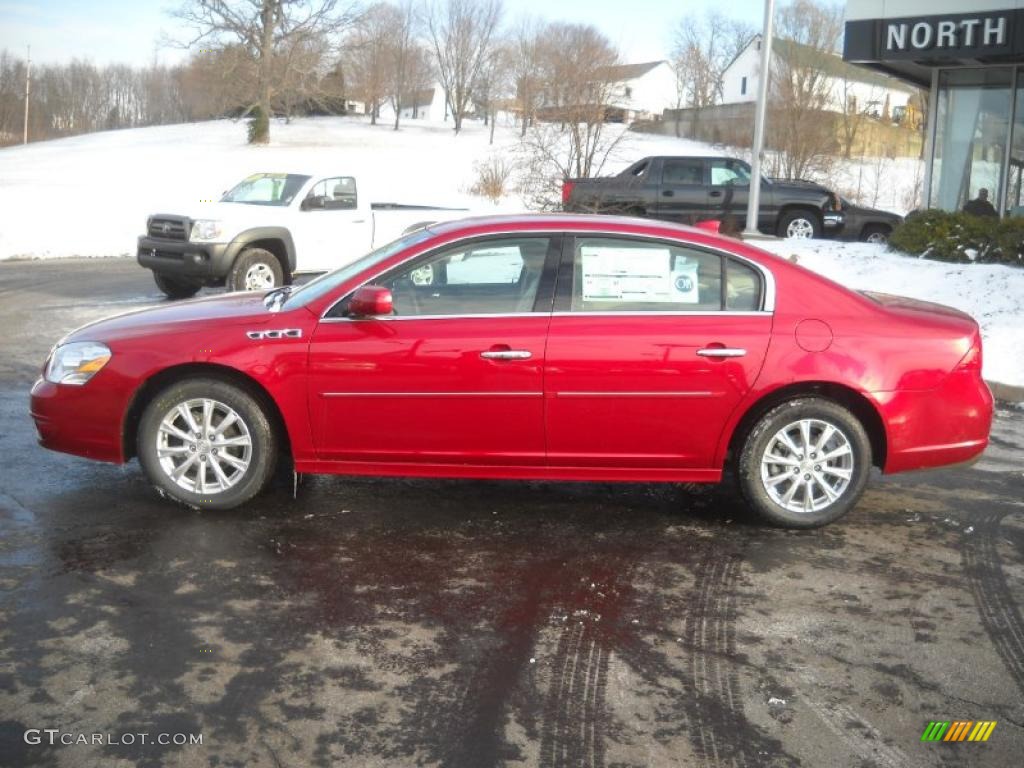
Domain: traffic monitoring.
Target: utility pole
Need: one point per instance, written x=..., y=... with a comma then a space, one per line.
x=28, y=90
x=754, y=196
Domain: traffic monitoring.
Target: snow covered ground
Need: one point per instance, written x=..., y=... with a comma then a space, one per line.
x=90, y=195
x=991, y=293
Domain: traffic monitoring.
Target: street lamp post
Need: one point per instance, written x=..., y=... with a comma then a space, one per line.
x=754, y=197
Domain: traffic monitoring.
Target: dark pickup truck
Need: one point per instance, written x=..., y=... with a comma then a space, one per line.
x=692, y=189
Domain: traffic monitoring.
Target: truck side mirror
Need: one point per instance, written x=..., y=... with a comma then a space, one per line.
x=371, y=301
x=312, y=202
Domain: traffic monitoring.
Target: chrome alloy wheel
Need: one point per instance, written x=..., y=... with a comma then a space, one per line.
x=807, y=466
x=879, y=238
x=800, y=229
x=259, y=277
x=204, y=446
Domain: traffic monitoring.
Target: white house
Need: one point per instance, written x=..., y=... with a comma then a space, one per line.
x=641, y=91
x=851, y=89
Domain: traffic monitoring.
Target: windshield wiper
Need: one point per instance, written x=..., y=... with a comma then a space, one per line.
x=276, y=297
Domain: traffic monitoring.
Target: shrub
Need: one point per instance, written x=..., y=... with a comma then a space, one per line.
x=961, y=237
x=492, y=177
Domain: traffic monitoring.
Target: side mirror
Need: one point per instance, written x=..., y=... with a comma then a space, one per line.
x=312, y=202
x=371, y=301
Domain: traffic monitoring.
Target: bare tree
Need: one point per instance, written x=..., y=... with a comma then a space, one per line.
x=403, y=50
x=571, y=136
x=702, y=49
x=265, y=30
x=462, y=32
x=802, y=87
x=526, y=44
x=369, y=53
x=494, y=83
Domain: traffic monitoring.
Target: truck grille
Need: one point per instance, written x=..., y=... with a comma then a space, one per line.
x=168, y=228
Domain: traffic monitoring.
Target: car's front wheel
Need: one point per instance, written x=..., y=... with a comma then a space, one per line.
x=207, y=443
x=805, y=463
x=799, y=225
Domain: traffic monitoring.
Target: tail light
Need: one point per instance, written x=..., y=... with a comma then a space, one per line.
x=972, y=360
x=567, y=190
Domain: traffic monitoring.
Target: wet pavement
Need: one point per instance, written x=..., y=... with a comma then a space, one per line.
x=400, y=623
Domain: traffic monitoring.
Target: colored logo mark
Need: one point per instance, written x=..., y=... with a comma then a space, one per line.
x=958, y=730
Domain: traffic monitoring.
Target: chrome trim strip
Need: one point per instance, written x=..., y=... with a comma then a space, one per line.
x=637, y=394
x=768, y=305
x=610, y=313
x=431, y=394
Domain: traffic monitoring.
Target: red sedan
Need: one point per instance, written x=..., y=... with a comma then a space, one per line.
x=553, y=347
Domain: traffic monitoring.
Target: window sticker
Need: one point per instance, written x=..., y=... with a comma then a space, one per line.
x=638, y=275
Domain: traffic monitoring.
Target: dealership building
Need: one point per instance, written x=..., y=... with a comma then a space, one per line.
x=969, y=56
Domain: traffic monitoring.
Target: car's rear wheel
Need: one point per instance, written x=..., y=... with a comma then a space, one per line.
x=175, y=288
x=875, y=233
x=207, y=443
x=255, y=269
x=805, y=463
x=799, y=225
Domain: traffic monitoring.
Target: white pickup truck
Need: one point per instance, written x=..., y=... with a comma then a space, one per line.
x=270, y=227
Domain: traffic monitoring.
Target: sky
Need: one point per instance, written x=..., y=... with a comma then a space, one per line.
x=129, y=31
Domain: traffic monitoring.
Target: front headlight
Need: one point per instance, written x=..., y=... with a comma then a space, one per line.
x=77, y=362
x=205, y=229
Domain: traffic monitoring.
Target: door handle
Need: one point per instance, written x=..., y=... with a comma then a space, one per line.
x=721, y=352
x=506, y=354
x=667, y=193
x=716, y=193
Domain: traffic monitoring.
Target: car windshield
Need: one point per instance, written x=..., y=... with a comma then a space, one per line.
x=326, y=283
x=266, y=189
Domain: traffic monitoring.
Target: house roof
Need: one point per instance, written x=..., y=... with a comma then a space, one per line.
x=621, y=72
x=798, y=54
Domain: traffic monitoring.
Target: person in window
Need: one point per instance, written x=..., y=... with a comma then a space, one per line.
x=980, y=206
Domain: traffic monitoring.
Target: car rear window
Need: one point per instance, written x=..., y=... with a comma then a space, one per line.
x=627, y=275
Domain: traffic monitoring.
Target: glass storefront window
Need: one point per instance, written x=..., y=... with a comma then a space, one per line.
x=1015, y=181
x=971, y=132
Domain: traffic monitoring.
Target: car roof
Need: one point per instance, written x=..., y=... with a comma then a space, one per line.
x=575, y=221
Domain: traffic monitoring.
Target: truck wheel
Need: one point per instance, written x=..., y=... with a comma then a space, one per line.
x=207, y=443
x=255, y=269
x=875, y=233
x=175, y=288
x=805, y=463
x=799, y=225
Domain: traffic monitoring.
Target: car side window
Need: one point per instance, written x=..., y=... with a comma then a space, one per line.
x=683, y=171
x=488, y=277
x=742, y=287
x=336, y=194
x=727, y=171
x=625, y=275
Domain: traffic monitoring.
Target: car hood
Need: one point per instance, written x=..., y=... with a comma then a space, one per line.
x=240, y=212
x=861, y=210
x=242, y=306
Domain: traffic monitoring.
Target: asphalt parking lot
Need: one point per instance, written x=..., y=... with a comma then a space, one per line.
x=399, y=623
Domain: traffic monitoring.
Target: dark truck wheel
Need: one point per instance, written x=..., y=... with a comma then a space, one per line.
x=175, y=288
x=255, y=269
x=875, y=233
x=805, y=463
x=799, y=225
x=207, y=443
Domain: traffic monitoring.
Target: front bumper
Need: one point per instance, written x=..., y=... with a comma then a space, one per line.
x=81, y=420
x=182, y=258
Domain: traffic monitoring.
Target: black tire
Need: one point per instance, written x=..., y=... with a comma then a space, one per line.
x=875, y=233
x=262, y=456
x=807, y=469
x=790, y=218
x=255, y=269
x=176, y=288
